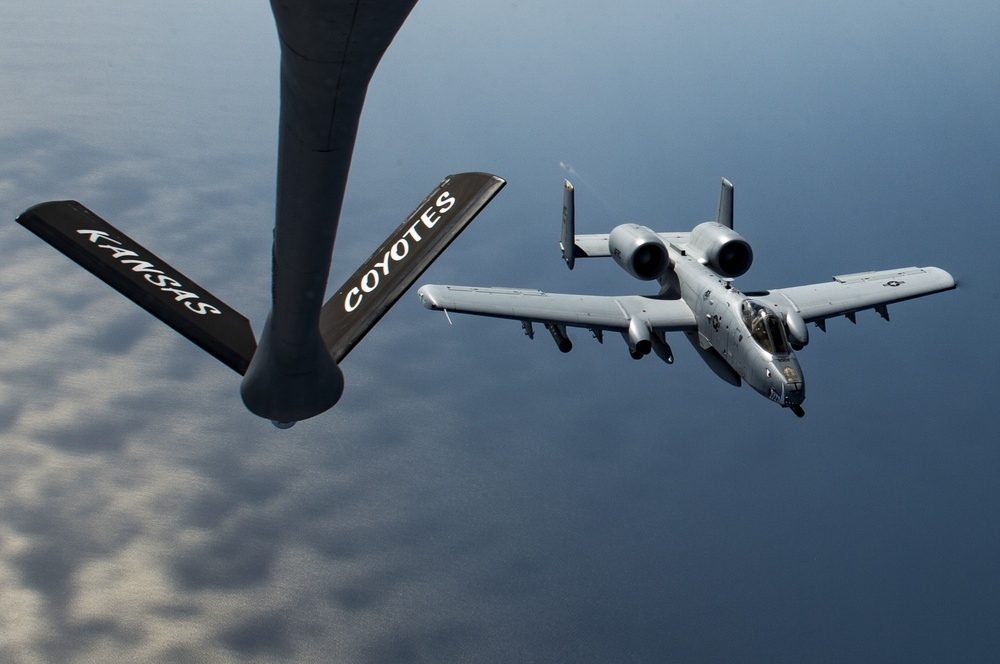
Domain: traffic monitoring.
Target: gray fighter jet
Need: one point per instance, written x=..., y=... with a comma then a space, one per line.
x=747, y=337
x=329, y=52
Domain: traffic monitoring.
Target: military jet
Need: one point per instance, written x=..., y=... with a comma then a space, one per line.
x=329, y=52
x=743, y=337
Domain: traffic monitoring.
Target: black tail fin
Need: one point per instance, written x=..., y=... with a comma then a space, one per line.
x=371, y=291
x=144, y=278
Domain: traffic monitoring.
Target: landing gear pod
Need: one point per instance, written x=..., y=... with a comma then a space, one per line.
x=798, y=333
x=639, y=339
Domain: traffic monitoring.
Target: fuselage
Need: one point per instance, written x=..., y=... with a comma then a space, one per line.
x=746, y=335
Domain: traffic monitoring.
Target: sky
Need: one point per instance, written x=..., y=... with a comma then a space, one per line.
x=477, y=496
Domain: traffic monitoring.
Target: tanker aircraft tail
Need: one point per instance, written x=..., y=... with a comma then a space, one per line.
x=223, y=332
x=329, y=53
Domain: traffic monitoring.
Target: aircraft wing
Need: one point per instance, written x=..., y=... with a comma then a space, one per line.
x=849, y=293
x=594, y=312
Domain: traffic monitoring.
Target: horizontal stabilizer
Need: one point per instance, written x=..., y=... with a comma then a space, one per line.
x=144, y=278
x=372, y=290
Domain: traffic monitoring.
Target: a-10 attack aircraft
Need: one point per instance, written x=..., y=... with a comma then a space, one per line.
x=329, y=52
x=747, y=337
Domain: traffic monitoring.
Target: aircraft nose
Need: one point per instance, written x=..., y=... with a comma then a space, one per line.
x=795, y=393
x=788, y=384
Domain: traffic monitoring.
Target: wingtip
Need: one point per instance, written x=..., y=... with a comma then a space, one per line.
x=948, y=281
x=427, y=297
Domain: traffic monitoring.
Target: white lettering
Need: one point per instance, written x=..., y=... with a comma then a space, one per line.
x=428, y=218
x=117, y=252
x=162, y=281
x=348, y=306
x=143, y=266
x=201, y=308
x=180, y=294
x=400, y=255
x=384, y=265
x=155, y=276
x=398, y=251
x=445, y=202
x=98, y=235
x=413, y=232
x=370, y=281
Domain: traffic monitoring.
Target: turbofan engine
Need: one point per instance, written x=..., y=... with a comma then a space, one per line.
x=639, y=251
x=722, y=248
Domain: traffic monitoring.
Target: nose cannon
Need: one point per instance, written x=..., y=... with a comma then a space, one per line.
x=794, y=389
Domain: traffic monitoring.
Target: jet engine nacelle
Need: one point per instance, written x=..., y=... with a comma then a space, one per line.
x=639, y=251
x=798, y=333
x=725, y=250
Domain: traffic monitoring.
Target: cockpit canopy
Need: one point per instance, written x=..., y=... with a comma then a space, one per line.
x=766, y=328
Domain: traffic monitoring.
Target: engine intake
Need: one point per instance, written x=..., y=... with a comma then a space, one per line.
x=639, y=251
x=725, y=250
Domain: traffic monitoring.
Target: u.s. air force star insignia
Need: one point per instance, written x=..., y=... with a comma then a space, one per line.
x=893, y=283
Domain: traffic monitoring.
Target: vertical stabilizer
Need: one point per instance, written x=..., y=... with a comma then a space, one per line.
x=567, y=240
x=725, y=214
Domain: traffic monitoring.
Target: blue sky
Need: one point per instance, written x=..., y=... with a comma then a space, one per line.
x=476, y=496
